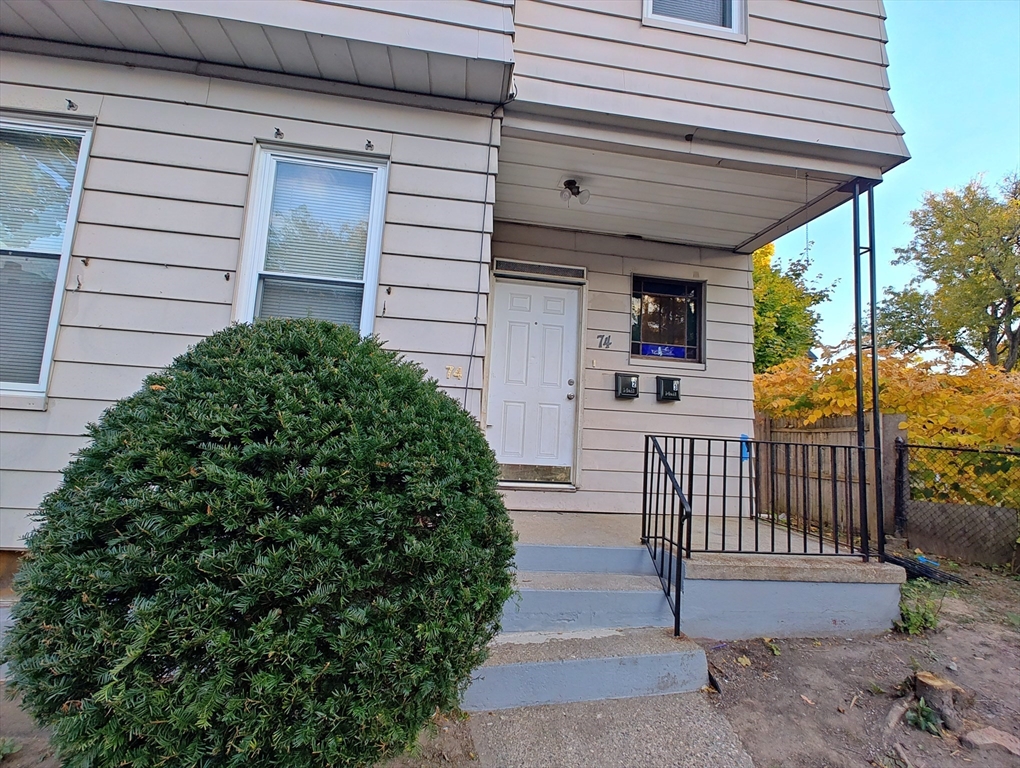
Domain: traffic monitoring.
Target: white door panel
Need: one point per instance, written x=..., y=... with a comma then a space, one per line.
x=533, y=378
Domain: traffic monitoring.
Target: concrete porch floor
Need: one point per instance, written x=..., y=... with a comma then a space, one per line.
x=607, y=530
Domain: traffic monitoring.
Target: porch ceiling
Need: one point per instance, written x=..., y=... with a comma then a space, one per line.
x=732, y=200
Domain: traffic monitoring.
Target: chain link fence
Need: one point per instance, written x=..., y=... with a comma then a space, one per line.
x=959, y=503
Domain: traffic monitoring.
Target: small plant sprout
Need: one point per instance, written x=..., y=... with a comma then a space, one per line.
x=924, y=718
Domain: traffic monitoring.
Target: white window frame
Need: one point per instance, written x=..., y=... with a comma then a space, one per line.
x=53, y=128
x=737, y=32
x=256, y=233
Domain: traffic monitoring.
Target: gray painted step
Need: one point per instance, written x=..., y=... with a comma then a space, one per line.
x=568, y=601
x=529, y=669
x=549, y=557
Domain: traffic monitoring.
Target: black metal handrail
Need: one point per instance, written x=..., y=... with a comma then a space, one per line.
x=665, y=519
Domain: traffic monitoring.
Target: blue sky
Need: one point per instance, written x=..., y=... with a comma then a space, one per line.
x=954, y=71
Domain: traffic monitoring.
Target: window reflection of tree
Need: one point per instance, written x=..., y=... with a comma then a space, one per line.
x=292, y=234
x=664, y=319
x=36, y=173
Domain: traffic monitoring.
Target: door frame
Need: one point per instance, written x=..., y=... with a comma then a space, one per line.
x=580, y=281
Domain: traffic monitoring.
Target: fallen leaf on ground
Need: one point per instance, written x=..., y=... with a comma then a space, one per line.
x=743, y=661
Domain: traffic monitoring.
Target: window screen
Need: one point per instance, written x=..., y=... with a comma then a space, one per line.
x=316, y=244
x=717, y=13
x=37, y=173
x=666, y=319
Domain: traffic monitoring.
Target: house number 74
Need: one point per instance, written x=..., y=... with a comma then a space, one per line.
x=605, y=341
x=454, y=372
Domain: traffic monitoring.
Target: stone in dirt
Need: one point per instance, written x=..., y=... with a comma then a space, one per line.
x=992, y=738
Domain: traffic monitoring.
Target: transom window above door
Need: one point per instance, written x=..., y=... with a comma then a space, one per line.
x=313, y=239
x=667, y=319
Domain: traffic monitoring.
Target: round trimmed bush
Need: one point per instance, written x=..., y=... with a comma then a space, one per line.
x=286, y=549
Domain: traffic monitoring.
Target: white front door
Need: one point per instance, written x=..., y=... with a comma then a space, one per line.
x=532, y=409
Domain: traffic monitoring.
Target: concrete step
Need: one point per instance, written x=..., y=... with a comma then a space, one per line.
x=533, y=668
x=551, y=601
x=574, y=559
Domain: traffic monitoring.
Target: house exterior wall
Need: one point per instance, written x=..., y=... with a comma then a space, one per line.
x=778, y=122
x=157, y=244
x=812, y=73
x=717, y=398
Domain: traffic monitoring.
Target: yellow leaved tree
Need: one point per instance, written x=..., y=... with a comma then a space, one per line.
x=978, y=406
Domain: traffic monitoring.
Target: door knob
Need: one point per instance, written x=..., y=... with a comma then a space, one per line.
x=570, y=396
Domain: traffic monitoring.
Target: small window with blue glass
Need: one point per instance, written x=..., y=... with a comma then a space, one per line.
x=666, y=319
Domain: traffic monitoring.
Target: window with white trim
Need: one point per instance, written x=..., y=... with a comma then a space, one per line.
x=313, y=239
x=41, y=173
x=723, y=16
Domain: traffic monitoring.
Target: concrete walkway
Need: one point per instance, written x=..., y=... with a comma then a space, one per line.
x=672, y=731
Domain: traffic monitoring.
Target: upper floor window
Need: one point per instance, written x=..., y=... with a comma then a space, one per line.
x=41, y=172
x=313, y=242
x=719, y=17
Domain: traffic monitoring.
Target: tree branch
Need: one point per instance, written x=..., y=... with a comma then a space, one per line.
x=963, y=351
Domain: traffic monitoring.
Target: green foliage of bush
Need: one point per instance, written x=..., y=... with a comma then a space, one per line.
x=919, y=612
x=287, y=549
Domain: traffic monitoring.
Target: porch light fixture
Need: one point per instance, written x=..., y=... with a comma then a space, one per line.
x=571, y=189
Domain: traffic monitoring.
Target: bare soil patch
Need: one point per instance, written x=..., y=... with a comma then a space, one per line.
x=824, y=703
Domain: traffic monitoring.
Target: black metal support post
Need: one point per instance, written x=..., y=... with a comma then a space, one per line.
x=876, y=414
x=862, y=461
x=902, y=486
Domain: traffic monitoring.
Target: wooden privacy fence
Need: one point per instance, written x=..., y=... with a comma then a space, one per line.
x=820, y=486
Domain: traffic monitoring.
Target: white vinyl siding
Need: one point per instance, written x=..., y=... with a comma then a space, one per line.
x=809, y=72
x=41, y=172
x=313, y=239
x=155, y=261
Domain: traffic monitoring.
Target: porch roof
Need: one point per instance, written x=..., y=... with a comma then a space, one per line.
x=664, y=187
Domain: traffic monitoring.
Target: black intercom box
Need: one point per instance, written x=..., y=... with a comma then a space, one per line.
x=667, y=388
x=626, y=385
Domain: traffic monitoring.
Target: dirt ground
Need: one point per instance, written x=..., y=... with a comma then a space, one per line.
x=819, y=703
x=824, y=703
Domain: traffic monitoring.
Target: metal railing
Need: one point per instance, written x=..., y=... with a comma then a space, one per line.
x=665, y=521
x=749, y=496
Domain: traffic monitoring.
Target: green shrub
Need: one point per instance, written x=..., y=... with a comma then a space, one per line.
x=919, y=612
x=287, y=549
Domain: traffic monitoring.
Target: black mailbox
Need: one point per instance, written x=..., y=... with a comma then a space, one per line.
x=667, y=388
x=626, y=385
